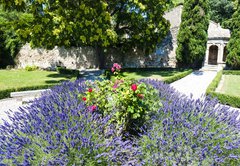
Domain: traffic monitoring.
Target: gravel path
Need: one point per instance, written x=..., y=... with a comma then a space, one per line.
x=194, y=84
x=8, y=104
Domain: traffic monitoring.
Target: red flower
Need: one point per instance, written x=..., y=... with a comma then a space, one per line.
x=90, y=90
x=84, y=98
x=93, y=108
x=134, y=87
x=141, y=96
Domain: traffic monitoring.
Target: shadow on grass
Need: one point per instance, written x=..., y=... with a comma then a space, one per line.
x=54, y=81
x=56, y=75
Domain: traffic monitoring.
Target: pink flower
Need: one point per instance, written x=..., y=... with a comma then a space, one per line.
x=115, y=85
x=112, y=69
x=134, y=87
x=90, y=90
x=84, y=98
x=93, y=108
x=116, y=66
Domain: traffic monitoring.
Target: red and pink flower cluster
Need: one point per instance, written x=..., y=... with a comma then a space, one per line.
x=116, y=67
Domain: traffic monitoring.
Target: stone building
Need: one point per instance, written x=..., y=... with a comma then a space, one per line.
x=216, y=51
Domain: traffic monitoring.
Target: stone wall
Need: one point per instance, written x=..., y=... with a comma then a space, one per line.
x=85, y=57
x=72, y=58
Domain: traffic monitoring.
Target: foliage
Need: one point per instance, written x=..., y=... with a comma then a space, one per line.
x=231, y=72
x=192, y=35
x=214, y=84
x=125, y=24
x=57, y=129
x=10, y=41
x=221, y=11
x=177, y=76
x=226, y=99
x=31, y=68
x=132, y=103
x=5, y=93
x=233, y=57
x=167, y=75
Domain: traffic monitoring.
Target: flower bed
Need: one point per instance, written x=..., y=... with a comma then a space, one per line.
x=62, y=128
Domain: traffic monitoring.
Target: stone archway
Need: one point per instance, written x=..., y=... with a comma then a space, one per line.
x=213, y=55
x=224, y=54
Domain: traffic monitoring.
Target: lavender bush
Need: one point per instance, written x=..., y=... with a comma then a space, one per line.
x=189, y=132
x=58, y=129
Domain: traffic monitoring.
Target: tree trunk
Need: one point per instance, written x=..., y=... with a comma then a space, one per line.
x=101, y=57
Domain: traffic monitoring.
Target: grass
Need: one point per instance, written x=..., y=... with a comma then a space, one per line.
x=20, y=78
x=153, y=74
x=231, y=85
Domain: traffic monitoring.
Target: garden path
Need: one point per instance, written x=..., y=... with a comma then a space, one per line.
x=194, y=84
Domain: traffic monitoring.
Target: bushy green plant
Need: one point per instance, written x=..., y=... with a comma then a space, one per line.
x=131, y=103
x=192, y=35
x=233, y=57
x=31, y=68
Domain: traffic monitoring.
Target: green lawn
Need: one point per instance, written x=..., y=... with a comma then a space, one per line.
x=231, y=85
x=14, y=79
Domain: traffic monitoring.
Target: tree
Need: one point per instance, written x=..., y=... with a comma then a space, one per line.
x=192, y=35
x=221, y=11
x=10, y=42
x=114, y=23
x=233, y=57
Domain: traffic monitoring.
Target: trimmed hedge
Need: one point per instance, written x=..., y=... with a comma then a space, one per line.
x=214, y=84
x=230, y=100
x=169, y=80
x=6, y=93
x=231, y=72
x=178, y=76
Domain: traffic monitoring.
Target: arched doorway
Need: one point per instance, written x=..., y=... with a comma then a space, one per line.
x=213, y=55
x=224, y=54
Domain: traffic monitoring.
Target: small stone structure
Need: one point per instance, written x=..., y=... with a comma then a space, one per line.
x=216, y=51
x=85, y=57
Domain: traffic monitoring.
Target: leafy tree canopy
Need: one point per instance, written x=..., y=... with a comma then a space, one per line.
x=122, y=23
x=221, y=11
x=233, y=57
x=9, y=40
x=192, y=35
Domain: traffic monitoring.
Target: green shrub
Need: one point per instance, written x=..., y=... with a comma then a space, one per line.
x=131, y=102
x=6, y=93
x=64, y=70
x=178, y=76
x=214, y=84
x=223, y=98
x=231, y=72
x=227, y=99
x=31, y=68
